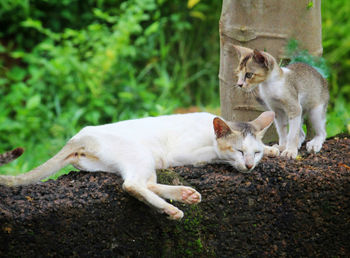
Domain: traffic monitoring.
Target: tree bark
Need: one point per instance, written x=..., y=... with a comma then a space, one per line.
x=283, y=208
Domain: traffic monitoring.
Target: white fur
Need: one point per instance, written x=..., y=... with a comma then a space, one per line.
x=136, y=148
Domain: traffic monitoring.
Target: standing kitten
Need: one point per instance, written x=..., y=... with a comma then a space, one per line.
x=136, y=148
x=10, y=155
x=291, y=92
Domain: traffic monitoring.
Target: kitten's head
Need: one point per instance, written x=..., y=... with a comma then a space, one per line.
x=240, y=144
x=254, y=67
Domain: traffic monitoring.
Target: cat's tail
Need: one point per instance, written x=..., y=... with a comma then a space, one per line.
x=60, y=160
x=10, y=155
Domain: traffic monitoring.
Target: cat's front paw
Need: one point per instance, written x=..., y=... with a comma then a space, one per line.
x=271, y=151
x=173, y=212
x=290, y=153
x=314, y=145
x=190, y=196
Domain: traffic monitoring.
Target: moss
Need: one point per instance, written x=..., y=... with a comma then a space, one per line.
x=190, y=240
x=185, y=239
x=170, y=177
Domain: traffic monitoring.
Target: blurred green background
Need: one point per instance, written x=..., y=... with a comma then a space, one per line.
x=65, y=64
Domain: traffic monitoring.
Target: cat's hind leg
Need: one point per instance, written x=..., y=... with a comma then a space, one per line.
x=136, y=177
x=142, y=193
x=179, y=193
x=317, y=117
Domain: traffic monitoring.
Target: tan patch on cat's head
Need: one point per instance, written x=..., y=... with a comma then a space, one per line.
x=225, y=144
x=233, y=139
x=254, y=68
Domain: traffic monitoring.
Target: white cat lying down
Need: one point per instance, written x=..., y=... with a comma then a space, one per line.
x=136, y=148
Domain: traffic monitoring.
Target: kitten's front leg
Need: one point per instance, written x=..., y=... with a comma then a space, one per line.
x=291, y=150
x=281, y=123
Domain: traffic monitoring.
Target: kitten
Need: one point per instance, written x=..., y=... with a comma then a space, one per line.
x=136, y=148
x=292, y=92
x=10, y=155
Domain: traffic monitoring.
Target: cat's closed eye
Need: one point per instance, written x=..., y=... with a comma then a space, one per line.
x=249, y=75
x=240, y=151
x=257, y=152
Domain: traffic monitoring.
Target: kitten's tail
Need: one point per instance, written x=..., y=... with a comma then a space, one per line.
x=60, y=160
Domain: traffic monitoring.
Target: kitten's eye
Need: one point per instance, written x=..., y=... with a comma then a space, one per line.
x=249, y=75
x=257, y=152
x=240, y=151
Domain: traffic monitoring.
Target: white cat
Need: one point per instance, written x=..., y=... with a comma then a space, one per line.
x=136, y=148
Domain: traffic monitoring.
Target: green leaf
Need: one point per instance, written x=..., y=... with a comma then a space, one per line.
x=310, y=5
x=33, y=102
x=16, y=73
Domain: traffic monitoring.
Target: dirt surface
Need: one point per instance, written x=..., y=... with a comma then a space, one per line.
x=285, y=208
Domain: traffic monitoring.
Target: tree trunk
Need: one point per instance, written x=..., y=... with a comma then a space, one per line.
x=283, y=208
x=265, y=25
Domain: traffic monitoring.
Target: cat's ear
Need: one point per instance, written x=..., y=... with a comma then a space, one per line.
x=260, y=58
x=221, y=128
x=263, y=122
x=242, y=51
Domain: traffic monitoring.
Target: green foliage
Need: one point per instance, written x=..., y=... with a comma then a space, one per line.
x=65, y=64
x=295, y=54
x=70, y=63
x=336, y=50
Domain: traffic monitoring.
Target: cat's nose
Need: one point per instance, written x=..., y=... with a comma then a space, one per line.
x=249, y=166
x=240, y=83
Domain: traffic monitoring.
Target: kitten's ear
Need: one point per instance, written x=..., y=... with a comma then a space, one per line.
x=221, y=128
x=242, y=51
x=263, y=122
x=260, y=58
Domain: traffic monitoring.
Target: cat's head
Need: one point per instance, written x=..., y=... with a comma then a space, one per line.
x=240, y=143
x=254, y=67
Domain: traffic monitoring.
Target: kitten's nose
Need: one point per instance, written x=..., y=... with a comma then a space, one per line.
x=240, y=83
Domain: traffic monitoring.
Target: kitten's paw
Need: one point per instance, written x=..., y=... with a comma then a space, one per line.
x=190, y=196
x=271, y=151
x=314, y=145
x=290, y=153
x=173, y=212
x=279, y=147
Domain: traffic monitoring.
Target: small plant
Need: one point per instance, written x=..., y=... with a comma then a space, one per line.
x=296, y=54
